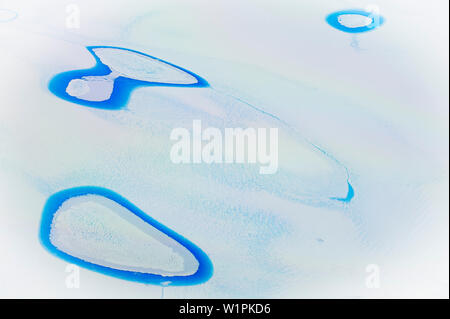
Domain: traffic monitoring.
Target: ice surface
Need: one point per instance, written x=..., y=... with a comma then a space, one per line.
x=78, y=87
x=382, y=111
x=354, y=20
x=305, y=172
x=91, y=88
x=99, y=230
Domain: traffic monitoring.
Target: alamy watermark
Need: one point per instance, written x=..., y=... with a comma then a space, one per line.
x=73, y=16
x=73, y=277
x=373, y=277
x=232, y=145
x=374, y=11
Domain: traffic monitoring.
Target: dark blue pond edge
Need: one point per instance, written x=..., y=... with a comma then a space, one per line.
x=204, y=271
x=122, y=86
x=377, y=20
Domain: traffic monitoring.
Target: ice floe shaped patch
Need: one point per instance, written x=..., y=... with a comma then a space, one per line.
x=102, y=231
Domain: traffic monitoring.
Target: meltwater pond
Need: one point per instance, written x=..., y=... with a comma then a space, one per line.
x=117, y=72
x=354, y=21
x=102, y=231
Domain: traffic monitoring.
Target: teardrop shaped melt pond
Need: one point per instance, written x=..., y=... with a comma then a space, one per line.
x=100, y=230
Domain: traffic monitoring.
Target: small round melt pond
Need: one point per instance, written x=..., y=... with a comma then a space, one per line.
x=7, y=15
x=354, y=21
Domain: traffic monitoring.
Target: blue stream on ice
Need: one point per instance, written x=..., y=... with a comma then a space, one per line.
x=349, y=197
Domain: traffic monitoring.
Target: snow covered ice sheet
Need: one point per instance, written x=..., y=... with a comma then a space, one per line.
x=358, y=205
